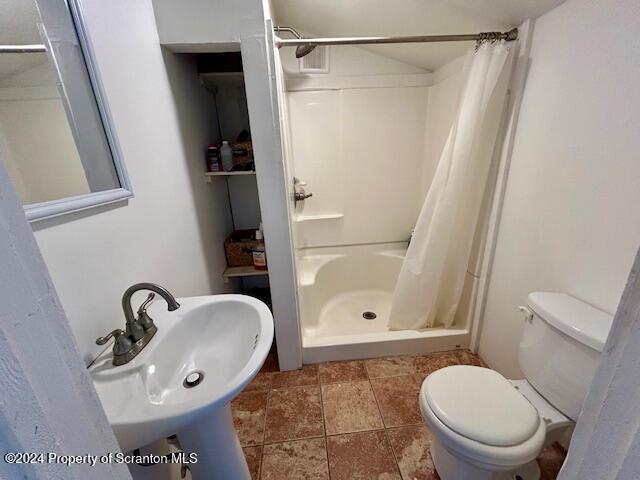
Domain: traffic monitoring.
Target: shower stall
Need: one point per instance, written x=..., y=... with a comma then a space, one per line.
x=363, y=134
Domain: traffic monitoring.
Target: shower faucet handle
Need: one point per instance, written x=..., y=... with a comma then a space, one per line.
x=299, y=193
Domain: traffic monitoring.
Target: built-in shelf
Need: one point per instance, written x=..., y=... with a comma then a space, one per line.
x=236, y=173
x=213, y=80
x=235, y=272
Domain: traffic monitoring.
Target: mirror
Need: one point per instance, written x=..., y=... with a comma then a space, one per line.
x=57, y=143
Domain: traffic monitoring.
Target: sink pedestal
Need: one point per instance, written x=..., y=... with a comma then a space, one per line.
x=214, y=439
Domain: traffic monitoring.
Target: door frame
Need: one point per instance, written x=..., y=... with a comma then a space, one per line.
x=47, y=400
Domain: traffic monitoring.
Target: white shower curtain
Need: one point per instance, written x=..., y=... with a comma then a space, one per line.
x=430, y=283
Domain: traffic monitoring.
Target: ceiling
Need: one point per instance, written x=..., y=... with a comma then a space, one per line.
x=340, y=18
x=18, y=25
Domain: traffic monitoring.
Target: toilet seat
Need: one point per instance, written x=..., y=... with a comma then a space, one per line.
x=456, y=395
x=479, y=415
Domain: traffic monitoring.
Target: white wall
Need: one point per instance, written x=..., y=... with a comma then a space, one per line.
x=209, y=25
x=172, y=231
x=345, y=60
x=570, y=221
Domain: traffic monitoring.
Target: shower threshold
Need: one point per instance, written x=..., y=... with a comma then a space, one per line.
x=318, y=348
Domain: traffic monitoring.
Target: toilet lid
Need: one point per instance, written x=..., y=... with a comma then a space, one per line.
x=480, y=404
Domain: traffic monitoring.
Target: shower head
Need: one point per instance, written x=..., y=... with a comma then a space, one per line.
x=304, y=50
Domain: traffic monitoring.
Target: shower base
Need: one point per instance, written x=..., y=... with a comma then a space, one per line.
x=342, y=289
x=345, y=313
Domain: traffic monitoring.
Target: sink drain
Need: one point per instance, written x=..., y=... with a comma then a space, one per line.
x=193, y=379
x=369, y=316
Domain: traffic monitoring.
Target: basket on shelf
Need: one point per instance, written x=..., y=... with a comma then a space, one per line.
x=238, y=246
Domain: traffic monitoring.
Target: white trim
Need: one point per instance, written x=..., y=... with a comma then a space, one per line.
x=47, y=399
x=520, y=67
x=273, y=188
x=55, y=208
x=98, y=90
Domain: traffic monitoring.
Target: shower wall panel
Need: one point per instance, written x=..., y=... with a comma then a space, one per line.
x=361, y=152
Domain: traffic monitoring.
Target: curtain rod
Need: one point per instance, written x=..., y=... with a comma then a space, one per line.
x=22, y=48
x=298, y=42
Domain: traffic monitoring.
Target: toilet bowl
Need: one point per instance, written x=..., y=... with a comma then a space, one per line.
x=486, y=427
x=483, y=427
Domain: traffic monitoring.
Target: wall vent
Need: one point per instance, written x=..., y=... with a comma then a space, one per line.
x=315, y=62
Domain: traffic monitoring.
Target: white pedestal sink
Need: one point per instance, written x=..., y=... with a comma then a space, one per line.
x=223, y=338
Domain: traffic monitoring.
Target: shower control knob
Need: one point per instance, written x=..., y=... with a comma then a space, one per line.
x=302, y=195
x=299, y=193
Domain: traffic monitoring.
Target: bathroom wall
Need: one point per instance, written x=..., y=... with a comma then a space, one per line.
x=570, y=221
x=172, y=231
x=345, y=61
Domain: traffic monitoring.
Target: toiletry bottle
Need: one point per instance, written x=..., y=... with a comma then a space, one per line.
x=258, y=252
x=259, y=257
x=213, y=159
x=226, y=154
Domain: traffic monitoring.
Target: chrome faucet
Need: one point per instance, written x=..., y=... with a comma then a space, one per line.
x=139, y=330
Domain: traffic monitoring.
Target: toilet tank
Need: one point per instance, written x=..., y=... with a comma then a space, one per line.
x=560, y=348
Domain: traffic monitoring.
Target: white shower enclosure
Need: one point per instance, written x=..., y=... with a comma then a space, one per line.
x=365, y=140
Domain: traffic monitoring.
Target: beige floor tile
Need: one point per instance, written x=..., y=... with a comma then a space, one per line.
x=307, y=375
x=398, y=400
x=300, y=460
x=465, y=357
x=427, y=364
x=294, y=413
x=390, y=366
x=340, y=372
x=350, y=407
x=361, y=456
x=550, y=461
x=253, y=456
x=248, y=411
x=411, y=447
x=262, y=381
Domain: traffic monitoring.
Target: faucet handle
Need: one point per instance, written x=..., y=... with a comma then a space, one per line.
x=143, y=317
x=115, y=334
x=122, y=343
x=145, y=304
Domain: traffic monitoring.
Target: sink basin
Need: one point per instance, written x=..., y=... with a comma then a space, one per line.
x=223, y=339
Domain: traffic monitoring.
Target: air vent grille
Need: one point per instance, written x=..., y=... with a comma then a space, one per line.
x=315, y=62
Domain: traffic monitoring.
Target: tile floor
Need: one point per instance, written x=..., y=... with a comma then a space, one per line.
x=356, y=420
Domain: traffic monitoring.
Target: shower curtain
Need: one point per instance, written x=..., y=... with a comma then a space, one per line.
x=430, y=283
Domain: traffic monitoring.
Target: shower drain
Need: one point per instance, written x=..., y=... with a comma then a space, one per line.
x=369, y=316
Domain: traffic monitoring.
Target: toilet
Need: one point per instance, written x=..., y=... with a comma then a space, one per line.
x=486, y=427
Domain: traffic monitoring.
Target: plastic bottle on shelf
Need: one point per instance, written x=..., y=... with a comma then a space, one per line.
x=226, y=155
x=259, y=257
x=259, y=253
